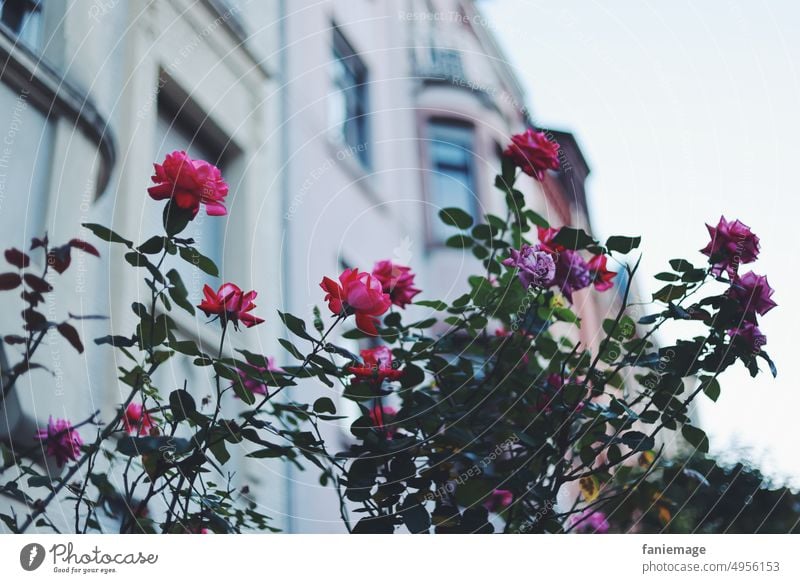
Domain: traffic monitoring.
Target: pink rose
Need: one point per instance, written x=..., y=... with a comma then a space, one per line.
x=61, y=439
x=255, y=386
x=230, y=304
x=136, y=420
x=189, y=183
x=357, y=293
x=397, y=281
x=533, y=153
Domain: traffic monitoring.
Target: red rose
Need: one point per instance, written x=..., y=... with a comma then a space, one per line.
x=546, y=236
x=377, y=365
x=600, y=274
x=230, y=304
x=189, y=183
x=533, y=153
x=357, y=293
x=382, y=415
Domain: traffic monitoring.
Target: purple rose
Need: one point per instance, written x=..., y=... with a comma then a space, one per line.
x=749, y=336
x=731, y=243
x=536, y=268
x=572, y=272
x=61, y=440
x=753, y=293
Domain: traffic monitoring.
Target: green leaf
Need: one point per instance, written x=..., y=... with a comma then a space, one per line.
x=693, y=275
x=536, y=219
x=268, y=452
x=10, y=522
x=680, y=265
x=136, y=259
x=175, y=219
x=415, y=516
x=696, y=437
x=508, y=171
x=573, y=238
x=220, y=451
x=318, y=325
x=412, y=376
x=666, y=276
x=573, y=394
x=152, y=246
x=482, y=231
x=374, y=525
x=355, y=334
x=623, y=329
x=669, y=293
x=40, y=482
x=622, y=244
x=459, y=241
x=187, y=347
x=291, y=349
x=107, y=234
x=182, y=405
x=295, y=325
x=69, y=332
x=324, y=405
x=193, y=256
x=241, y=391
x=480, y=252
x=435, y=304
x=151, y=336
x=456, y=217
x=711, y=387
x=178, y=291
x=638, y=441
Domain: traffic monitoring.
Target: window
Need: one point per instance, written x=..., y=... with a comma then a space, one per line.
x=23, y=18
x=452, y=180
x=348, y=103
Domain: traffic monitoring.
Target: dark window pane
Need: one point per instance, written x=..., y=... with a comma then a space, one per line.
x=348, y=100
x=22, y=18
x=452, y=178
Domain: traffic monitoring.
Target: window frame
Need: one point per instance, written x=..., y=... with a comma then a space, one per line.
x=30, y=29
x=433, y=171
x=355, y=98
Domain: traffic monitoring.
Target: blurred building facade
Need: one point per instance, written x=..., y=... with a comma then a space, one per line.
x=93, y=93
x=343, y=128
x=394, y=111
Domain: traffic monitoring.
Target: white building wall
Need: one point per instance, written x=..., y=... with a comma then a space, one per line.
x=124, y=58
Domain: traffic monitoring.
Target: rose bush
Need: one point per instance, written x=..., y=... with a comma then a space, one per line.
x=486, y=415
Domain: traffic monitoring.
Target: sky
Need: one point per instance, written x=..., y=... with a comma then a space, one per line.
x=685, y=110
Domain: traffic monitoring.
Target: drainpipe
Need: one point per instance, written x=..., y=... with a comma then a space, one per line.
x=285, y=184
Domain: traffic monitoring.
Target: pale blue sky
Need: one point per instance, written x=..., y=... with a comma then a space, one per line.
x=685, y=110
